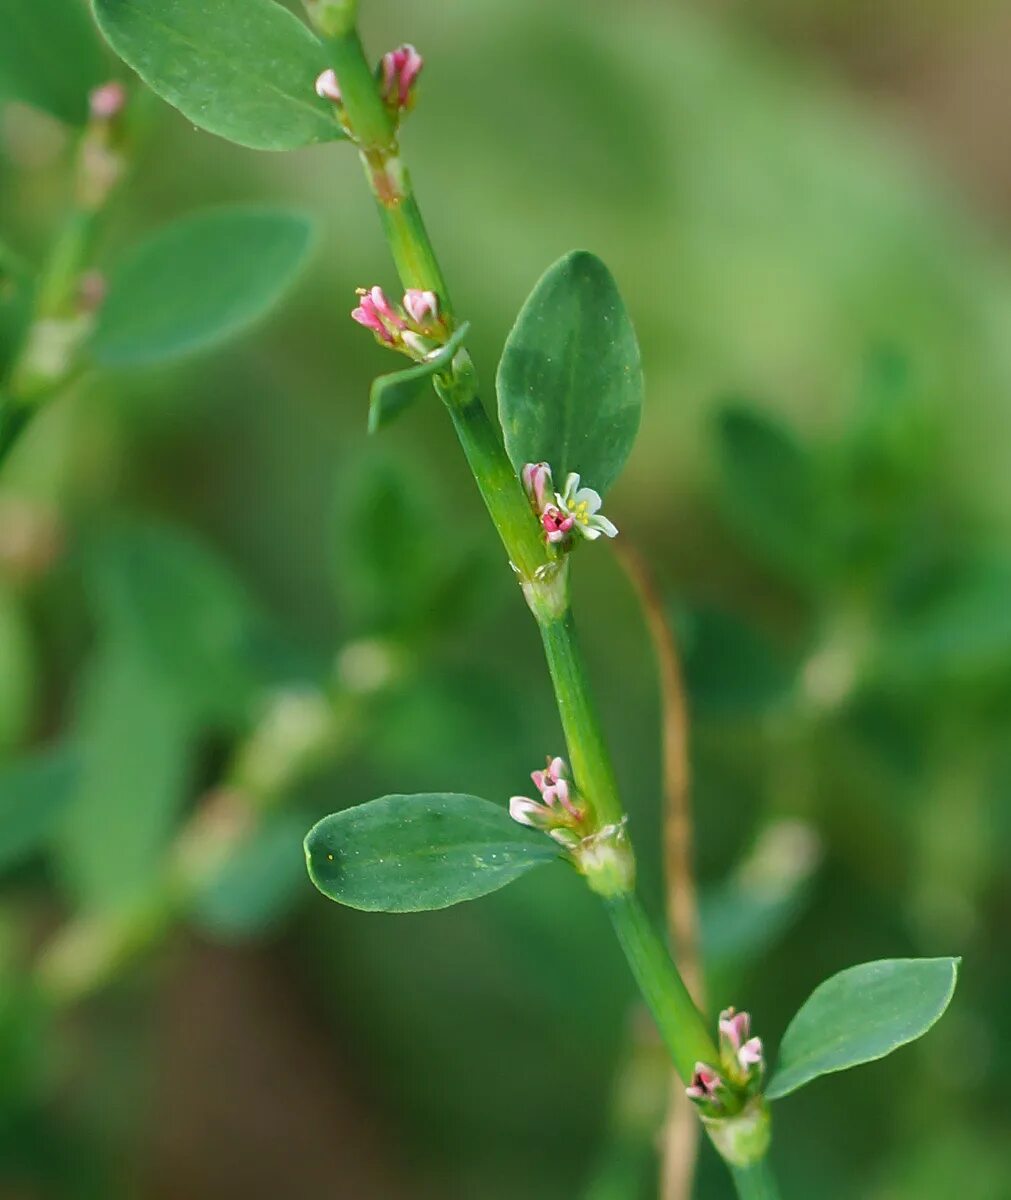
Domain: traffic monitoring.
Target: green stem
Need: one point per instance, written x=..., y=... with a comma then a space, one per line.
x=591, y=763
x=755, y=1181
x=542, y=573
x=679, y=1021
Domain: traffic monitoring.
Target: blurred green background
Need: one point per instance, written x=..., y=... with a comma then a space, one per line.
x=805, y=205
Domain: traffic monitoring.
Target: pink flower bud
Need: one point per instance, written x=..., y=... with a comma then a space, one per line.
x=735, y=1028
x=327, y=87
x=385, y=308
x=107, y=101
x=365, y=314
x=537, y=483
x=750, y=1054
x=705, y=1083
x=400, y=70
x=422, y=307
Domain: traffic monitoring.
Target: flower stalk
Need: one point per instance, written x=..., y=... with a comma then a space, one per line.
x=604, y=855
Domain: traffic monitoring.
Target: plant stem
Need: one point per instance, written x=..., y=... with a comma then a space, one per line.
x=591, y=763
x=542, y=574
x=680, y=1024
x=755, y=1182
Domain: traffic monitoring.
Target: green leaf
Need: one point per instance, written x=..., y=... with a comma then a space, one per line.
x=135, y=759
x=392, y=394
x=414, y=853
x=33, y=794
x=862, y=1014
x=570, y=386
x=167, y=598
x=202, y=280
x=770, y=491
x=258, y=885
x=243, y=69
x=49, y=57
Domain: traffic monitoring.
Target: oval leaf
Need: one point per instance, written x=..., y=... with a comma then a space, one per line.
x=862, y=1014
x=198, y=282
x=414, y=853
x=50, y=57
x=393, y=394
x=243, y=69
x=570, y=381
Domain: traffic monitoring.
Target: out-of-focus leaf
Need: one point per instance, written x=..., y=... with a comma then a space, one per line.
x=259, y=885
x=959, y=631
x=204, y=279
x=860, y=1015
x=415, y=853
x=34, y=792
x=745, y=914
x=17, y=672
x=570, y=386
x=389, y=544
x=243, y=69
x=49, y=56
x=770, y=492
x=393, y=394
x=731, y=669
x=179, y=610
x=134, y=765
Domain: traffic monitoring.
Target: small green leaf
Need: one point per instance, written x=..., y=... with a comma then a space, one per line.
x=49, y=57
x=862, y=1014
x=570, y=386
x=770, y=491
x=243, y=69
x=198, y=282
x=414, y=853
x=33, y=793
x=392, y=394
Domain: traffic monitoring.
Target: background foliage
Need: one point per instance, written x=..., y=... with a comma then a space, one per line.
x=823, y=317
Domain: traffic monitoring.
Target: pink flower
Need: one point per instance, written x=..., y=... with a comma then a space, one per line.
x=556, y=523
x=400, y=71
x=327, y=87
x=739, y=1050
x=421, y=307
x=376, y=313
x=705, y=1084
x=557, y=809
x=107, y=101
x=538, y=484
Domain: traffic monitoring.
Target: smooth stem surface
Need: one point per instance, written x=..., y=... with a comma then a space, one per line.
x=542, y=575
x=590, y=761
x=679, y=1021
x=755, y=1182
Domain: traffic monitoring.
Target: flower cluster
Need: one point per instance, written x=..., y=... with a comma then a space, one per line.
x=721, y=1091
x=558, y=811
x=397, y=75
x=414, y=327
x=573, y=510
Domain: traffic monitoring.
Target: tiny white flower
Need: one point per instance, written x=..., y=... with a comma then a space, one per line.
x=583, y=505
